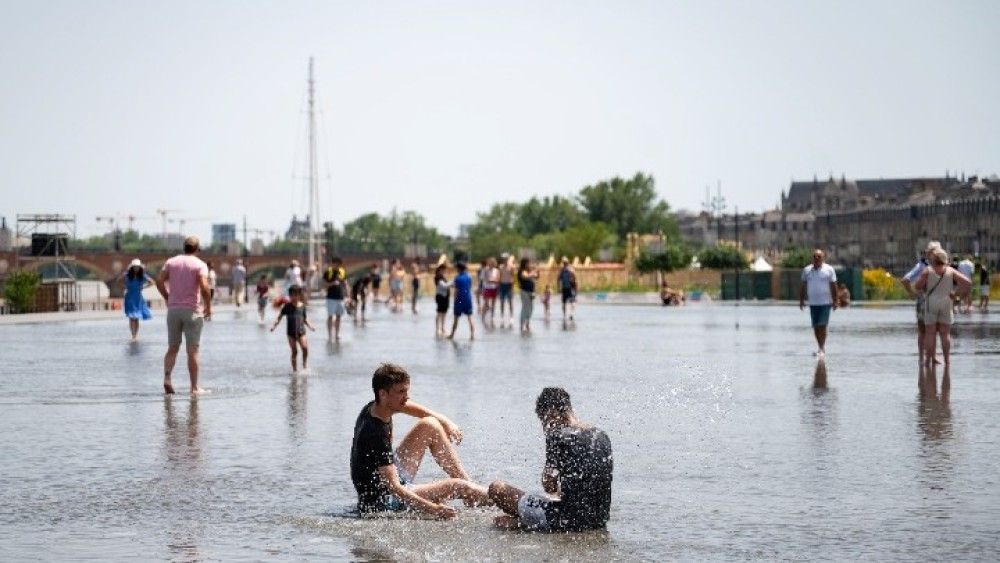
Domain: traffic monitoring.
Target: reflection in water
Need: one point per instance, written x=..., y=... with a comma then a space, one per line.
x=298, y=388
x=820, y=412
x=183, y=452
x=819, y=377
x=936, y=450
x=933, y=408
x=333, y=348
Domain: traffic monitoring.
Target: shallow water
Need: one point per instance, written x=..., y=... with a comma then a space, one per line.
x=724, y=446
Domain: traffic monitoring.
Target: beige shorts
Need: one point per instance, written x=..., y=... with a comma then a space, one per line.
x=186, y=322
x=938, y=312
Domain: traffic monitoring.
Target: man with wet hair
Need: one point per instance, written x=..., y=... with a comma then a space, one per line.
x=576, y=478
x=382, y=477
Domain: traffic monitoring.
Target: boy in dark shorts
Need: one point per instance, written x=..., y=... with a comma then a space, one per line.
x=567, y=287
x=577, y=475
x=441, y=289
x=463, y=300
x=295, y=311
x=359, y=294
x=383, y=478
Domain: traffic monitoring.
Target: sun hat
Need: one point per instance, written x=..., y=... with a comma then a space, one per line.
x=932, y=245
x=135, y=262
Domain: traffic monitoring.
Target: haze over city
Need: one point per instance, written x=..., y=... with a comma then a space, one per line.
x=444, y=108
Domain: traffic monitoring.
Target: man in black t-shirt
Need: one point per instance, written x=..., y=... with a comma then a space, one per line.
x=384, y=478
x=336, y=286
x=577, y=475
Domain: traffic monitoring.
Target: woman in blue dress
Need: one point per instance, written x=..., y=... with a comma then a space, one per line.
x=135, y=306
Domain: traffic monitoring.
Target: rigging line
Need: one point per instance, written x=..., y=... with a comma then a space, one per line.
x=295, y=156
x=328, y=143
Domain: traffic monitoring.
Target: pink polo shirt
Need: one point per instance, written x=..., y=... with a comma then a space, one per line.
x=184, y=273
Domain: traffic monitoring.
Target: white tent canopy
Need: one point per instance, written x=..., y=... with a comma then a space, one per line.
x=760, y=265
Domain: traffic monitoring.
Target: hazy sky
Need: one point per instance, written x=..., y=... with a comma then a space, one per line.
x=446, y=107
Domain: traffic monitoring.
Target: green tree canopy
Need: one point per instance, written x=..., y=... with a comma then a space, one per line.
x=674, y=257
x=722, y=257
x=628, y=206
x=796, y=257
x=387, y=234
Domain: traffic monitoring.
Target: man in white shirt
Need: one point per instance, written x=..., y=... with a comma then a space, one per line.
x=966, y=267
x=819, y=283
x=908, y=281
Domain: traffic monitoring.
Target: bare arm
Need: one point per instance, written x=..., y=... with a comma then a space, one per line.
x=922, y=280
x=909, y=288
x=964, y=284
x=802, y=295
x=417, y=410
x=391, y=479
x=833, y=294
x=206, y=296
x=161, y=283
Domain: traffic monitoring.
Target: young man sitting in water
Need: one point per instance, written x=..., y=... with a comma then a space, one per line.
x=383, y=478
x=577, y=475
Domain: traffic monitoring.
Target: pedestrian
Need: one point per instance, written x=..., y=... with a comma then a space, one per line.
x=396, y=275
x=375, y=274
x=526, y=278
x=239, y=287
x=415, y=269
x=908, y=282
x=293, y=276
x=183, y=283
x=463, y=300
x=336, y=289
x=491, y=286
x=295, y=328
x=213, y=280
x=136, y=308
x=567, y=288
x=984, y=289
x=262, y=290
x=547, y=299
x=359, y=293
x=579, y=467
x=819, y=284
x=480, y=283
x=505, y=289
x=442, y=288
x=967, y=268
x=943, y=285
x=383, y=477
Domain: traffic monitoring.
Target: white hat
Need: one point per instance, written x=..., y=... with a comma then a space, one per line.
x=933, y=245
x=135, y=262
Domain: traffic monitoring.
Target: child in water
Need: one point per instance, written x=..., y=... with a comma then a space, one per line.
x=546, y=298
x=263, y=288
x=295, y=310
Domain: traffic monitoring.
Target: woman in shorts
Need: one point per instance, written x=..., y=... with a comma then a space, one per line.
x=942, y=284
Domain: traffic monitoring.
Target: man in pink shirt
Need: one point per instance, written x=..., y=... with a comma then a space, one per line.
x=187, y=278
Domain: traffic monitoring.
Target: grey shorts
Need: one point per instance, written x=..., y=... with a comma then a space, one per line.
x=335, y=307
x=531, y=511
x=392, y=502
x=186, y=322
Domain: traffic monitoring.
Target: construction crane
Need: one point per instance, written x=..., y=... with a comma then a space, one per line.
x=163, y=217
x=181, y=221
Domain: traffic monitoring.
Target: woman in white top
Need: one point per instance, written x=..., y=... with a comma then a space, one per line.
x=293, y=275
x=941, y=284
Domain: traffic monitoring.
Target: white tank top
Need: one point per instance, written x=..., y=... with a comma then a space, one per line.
x=942, y=285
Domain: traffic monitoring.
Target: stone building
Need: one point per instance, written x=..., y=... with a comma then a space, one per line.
x=883, y=222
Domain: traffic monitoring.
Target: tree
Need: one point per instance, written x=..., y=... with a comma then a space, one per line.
x=547, y=215
x=586, y=239
x=674, y=257
x=796, y=258
x=628, y=206
x=722, y=258
x=388, y=234
x=20, y=289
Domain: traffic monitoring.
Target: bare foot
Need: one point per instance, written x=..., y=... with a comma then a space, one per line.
x=199, y=391
x=168, y=388
x=451, y=336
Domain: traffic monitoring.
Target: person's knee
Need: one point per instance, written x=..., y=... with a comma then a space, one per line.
x=430, y=423
x=173, y=349
x=495, y=490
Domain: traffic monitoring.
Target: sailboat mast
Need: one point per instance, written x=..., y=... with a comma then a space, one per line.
x=313, y=179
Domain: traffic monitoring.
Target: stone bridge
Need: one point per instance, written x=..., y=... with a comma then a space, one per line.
x=109, y=266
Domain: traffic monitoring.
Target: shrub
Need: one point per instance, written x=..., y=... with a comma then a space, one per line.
x=673, y=258
x=722, y=258
x=881, y=285
x=796, y=258
x=20, y=290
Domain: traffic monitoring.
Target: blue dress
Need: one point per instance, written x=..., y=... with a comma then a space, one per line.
x=135, y=305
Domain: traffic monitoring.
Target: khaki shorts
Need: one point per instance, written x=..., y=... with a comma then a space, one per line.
x=186, y=322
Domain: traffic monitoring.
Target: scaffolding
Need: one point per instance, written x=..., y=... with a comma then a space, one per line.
x=50, y=234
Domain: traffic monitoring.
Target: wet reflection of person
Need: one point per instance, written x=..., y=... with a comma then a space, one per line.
x=297, y=398
x=819, y=378
x=933, y=409
x=183, y=456
x=183, y=443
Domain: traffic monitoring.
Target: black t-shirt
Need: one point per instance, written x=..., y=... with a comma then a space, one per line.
x=336, y=290
x=296, y=317
x=984, y=277
x=527, y=283
x=583, y=463
x=360, y=288
x=371, y=449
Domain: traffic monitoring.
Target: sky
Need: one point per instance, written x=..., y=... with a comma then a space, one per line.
x=117, y=108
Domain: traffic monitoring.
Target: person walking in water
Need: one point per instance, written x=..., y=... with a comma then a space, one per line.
x=527, y=276
x=984, y=287
x=183, y=283
x=359, y=297
x=491, y=285
x=577, y=475
x=908, y=282
x=819, y=284
x=463, y=300
x=966, y=267
x=383, y=477
x=442, y=288
x=567, y=288
x=942, y=284
x=262, y=289
x=336, y=290
x=213, y=280
x=505, y=290
x=239, y=287
x=375, y=275
x=295, y=329
x=136, y=308
x=415, y=269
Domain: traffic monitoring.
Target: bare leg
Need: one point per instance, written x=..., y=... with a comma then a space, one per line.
x=193, y=367
x=169, y=359
x=329, y=327
x=336, y=333
x=920, y=340
x=472, y=328
x=133, y=326
x=295, y=353
x=930, y=332
x=454, y=326
x=304, y=344
x=447, y=489
x=821, y=337
x=429, y=435
x=945, y=331
x=505, y=496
